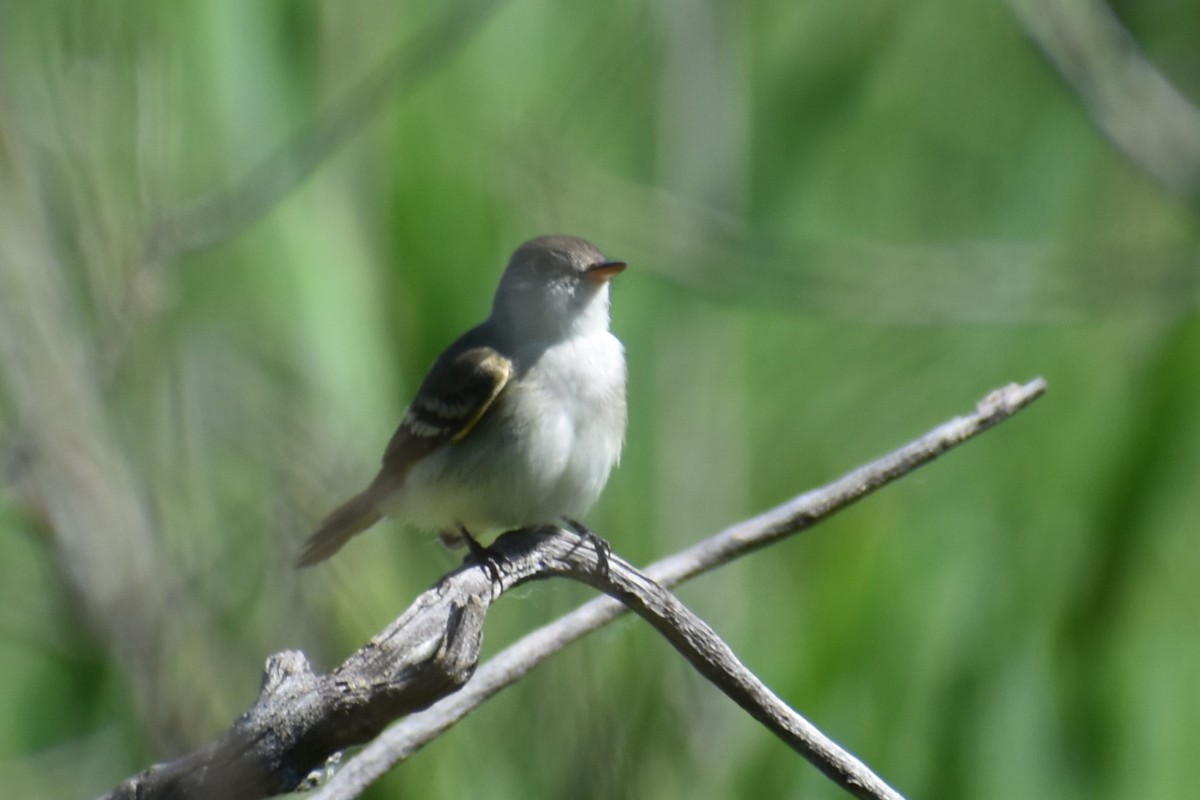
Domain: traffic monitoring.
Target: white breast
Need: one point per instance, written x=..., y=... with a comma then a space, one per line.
x=585, y=379
x=542, y=452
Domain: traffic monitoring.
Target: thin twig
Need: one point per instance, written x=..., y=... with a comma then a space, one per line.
x=1128, y=98
x=715, y=660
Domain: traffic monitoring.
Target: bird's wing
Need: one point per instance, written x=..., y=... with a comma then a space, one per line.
x=452, y=399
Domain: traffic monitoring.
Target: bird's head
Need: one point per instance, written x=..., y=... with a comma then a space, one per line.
x=555, y=286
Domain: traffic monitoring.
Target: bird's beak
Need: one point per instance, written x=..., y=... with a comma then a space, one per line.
x=604, y=272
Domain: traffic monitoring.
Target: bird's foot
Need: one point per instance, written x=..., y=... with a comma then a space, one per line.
x=488, y=559
x=599, y=544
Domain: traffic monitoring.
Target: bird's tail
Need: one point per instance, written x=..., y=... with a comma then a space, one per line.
x=352, y=517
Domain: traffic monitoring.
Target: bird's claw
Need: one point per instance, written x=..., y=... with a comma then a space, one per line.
x=599, y=544
x=489, y=559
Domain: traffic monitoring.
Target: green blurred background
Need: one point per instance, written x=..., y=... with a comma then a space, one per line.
x=233, y=236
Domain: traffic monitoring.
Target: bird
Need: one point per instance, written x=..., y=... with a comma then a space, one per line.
x=518, y=423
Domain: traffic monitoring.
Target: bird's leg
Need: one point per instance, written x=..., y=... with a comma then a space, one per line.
x=487, y=558
x=599, y=544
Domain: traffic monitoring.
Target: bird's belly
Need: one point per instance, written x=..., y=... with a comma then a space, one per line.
x=530, y=462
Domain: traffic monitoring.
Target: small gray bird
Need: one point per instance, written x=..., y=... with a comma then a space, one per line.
x=518, y=422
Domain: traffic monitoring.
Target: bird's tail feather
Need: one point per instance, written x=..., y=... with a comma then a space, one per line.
x=352, y=517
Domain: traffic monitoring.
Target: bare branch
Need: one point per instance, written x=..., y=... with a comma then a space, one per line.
x=714, y=659
x=1128, y=98
x=511, y=664
x=301, y=718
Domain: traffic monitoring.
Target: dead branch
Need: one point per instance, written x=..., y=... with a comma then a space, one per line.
x=300, y=718
x=1129, y=99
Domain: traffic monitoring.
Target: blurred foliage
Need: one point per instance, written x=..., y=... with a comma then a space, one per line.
x=233, y=235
